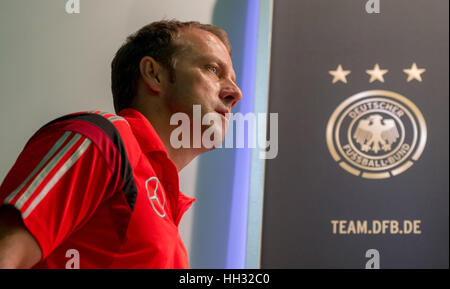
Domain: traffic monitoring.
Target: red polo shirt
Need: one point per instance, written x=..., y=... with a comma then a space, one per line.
x=99, y=190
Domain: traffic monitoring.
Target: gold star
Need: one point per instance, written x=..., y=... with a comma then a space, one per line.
x=339, y=74
x=376, y=73
x=414, y=73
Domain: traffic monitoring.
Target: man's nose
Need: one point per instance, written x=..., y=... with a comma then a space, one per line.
x=231, y=93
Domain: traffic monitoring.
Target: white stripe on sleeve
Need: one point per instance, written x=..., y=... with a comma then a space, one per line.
x=59, y=174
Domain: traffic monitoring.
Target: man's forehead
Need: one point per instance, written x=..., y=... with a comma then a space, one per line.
x=201, y=43
x=199, y=37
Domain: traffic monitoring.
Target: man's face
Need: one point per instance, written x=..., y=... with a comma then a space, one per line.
x=204, y=75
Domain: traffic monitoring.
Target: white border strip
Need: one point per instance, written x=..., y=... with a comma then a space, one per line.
x=256, y=192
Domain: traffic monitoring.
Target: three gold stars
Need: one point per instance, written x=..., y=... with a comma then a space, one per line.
x=414, y=73
x=377, y=73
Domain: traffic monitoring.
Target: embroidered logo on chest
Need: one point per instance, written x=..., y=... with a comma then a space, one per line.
x=155, y=195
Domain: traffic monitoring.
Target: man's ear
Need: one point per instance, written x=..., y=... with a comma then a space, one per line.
x=152, y=73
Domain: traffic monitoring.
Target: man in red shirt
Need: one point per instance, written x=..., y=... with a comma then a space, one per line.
x=100, y=190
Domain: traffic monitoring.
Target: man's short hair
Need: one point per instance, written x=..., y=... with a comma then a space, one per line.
x=154, y=40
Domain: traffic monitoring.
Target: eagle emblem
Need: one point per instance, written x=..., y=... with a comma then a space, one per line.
x=375, y=133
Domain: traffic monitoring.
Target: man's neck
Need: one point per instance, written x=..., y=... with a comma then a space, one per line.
x=160, y=121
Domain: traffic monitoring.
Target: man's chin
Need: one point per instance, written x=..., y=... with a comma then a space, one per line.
x=213, y=137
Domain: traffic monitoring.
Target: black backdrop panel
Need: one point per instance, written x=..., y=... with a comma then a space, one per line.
x=401, y=176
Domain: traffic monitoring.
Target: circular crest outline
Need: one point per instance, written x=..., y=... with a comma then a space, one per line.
x=418, y=127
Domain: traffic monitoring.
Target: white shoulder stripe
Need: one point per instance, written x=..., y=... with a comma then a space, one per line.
x=45, y=171
x=111, y=118
x=115, y=118
x=65, y=167
x=39, y=166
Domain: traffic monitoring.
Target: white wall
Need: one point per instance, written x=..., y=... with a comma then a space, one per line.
x=53, y=63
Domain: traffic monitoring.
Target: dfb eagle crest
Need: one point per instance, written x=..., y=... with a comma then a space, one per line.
x=375, y=133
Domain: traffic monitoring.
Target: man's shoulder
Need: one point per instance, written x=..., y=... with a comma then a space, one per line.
x=96, y=117
x=109, y=132
x=94, y=121
x=100, y=127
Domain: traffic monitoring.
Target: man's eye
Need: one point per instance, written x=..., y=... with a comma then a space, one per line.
x=213, y=69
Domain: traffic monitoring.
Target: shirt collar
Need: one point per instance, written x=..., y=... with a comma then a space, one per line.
x=143, y=130
x=150, y=142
